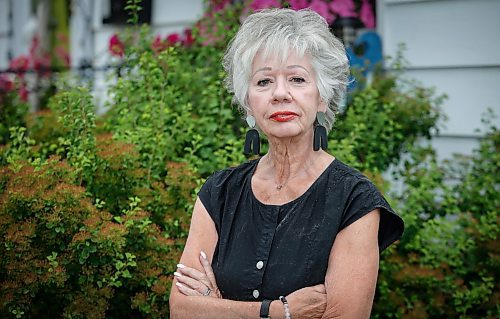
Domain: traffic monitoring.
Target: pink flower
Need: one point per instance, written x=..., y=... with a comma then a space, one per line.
x=343, y=8
x=20, y=64
x=218, y=5
x=23, y=93
x=158, y=45
x=6, y=85
x=116, y=46
x=322, y=9
x=42, y=64
x=298, y=4
x=188, y=37
x=366, y=15
x=205, y=35
x=211, y=37
x=264, y=4
x=173, y=38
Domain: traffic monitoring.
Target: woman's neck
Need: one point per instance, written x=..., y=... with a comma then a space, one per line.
x=290, y=158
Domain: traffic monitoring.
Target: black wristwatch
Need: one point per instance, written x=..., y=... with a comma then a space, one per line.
x=264, y=309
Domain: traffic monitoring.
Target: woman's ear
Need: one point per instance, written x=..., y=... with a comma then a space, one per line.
x=322, y=107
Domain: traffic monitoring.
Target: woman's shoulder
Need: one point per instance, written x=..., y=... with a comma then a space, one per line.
x=219, y=186
x=232, y=174
x=347, y=182
x=347, y=174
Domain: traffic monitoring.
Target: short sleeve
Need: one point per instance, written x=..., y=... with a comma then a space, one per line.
x=363, y=198
x=208, y=195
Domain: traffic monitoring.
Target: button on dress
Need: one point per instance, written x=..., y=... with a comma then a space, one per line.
x=265, y=251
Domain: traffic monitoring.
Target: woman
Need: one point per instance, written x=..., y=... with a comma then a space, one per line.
x=297, y=222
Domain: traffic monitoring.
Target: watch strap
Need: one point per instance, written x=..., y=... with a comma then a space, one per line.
x=264, y=309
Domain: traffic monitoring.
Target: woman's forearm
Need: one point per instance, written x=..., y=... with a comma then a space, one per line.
x=184, y=307
x=193, y=307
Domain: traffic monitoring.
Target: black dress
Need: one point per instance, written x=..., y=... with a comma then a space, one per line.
x=265, y=251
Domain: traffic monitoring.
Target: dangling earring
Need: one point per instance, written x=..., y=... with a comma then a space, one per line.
x=252, y=138
x=320, y=139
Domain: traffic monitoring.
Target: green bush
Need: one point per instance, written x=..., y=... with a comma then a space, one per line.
x=173, y=107
x=447, y=264
x=13, y=111
x=57, y=245
x=98, y=259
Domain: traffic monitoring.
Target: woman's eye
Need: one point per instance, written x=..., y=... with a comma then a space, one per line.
x=298, y=80
x=263, y=82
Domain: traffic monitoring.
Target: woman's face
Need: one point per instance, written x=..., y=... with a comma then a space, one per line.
x=284, y=97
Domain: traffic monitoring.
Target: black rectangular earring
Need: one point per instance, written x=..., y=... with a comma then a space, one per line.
x=320, y=139
x=252, y=138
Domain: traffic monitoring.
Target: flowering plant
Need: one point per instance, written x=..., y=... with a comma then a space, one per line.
x=329, y=9
x=38, y=61
x=12, y=108
x=215, y=27
x=117, y=46
x=26, y=73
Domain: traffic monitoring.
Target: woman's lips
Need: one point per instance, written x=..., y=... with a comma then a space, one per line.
x=283, y=116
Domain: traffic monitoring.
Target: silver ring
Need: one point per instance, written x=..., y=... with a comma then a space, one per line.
x=206, y=293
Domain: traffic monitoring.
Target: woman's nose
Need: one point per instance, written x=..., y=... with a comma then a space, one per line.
x=281, y=91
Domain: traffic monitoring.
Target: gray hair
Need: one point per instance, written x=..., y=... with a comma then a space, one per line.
x=279, y=30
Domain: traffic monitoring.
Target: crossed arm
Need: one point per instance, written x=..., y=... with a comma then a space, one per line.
x=347, y=293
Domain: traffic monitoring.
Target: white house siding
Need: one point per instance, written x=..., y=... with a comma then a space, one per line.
x=175, y=15
x=452, y=45
x=81, y=26
x=15, y=29
x=4, y=32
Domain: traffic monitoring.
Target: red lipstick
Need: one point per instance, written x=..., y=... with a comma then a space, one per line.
x=283, y=116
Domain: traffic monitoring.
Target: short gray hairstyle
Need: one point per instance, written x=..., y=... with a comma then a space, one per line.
x=276, y=31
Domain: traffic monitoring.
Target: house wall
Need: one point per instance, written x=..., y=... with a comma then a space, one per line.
x=452, y=45
x=16, y=29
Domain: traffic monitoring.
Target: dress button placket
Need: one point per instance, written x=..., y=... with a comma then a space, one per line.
x=264, y=249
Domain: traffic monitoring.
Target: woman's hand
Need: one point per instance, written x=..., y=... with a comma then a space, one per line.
x=308, y=302
x=192, y=282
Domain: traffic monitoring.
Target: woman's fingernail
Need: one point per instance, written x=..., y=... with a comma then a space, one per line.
x=177, y=274
x=180, y=266
x=202, y=253
x=178, y=284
